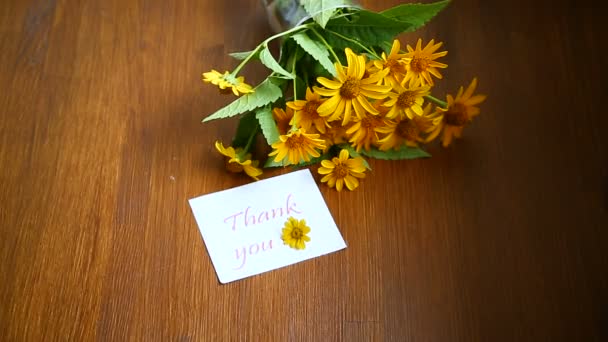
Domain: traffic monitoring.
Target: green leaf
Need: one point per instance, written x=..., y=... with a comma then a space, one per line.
x=271, y=163
x=314, y=161
x=322, y=10
x=354, y=154
x=368, y=28
x=317, y=50
x=242, y=55
x=263, y=94
x=268, y=125
x=317, y=70
x=268, y=60
x=417, y=15
x=386, y=46
x=247, y=125
x=403, y=153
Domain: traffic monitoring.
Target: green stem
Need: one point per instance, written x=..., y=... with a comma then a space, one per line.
x=235, y=72
x=331, y=50
x=293, y=71
x=249, y=141
x=284, y=33
x=355, y=42
x=437, y=101
x=295, y=91
x=306, y=78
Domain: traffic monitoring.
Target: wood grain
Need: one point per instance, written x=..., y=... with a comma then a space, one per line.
x=501, y=237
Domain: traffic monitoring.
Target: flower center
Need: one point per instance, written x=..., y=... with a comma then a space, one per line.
x=311, y=109
x=456, y=115
x=350, y=88
x=296, y=233
x=408, y=130
x=294, y=142
x=419, y=64
x=341, y=170
x=233, y=166
x=394, y=65
x=406, y=99
x=371, y=122
x=367, y=123
x=225, y=91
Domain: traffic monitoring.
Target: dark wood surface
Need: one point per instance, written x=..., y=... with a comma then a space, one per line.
x=501, y=237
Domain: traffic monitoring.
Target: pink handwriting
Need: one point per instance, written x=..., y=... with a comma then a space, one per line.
x=254, y=248
x=248, y=217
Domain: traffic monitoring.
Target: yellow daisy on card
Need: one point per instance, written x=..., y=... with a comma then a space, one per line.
x=295, y=233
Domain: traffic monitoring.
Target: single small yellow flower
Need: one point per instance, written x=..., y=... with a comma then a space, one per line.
x=421, y=64
x=227, y=82
x=351, y=90
x=297, y=146
x=295, y=233
x=283, y=119
x=394, y=62
x=342, y=170
x=461, y=110
x=306, y=115
x=405, y=102
x=334, y=135
x=406, y=131
x=237, y=163
x=362, y=132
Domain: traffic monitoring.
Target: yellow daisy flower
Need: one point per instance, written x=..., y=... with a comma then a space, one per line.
x=405, y=102
x=461, y=110
x=350, y=90
x=421, y=63
x=406, y=131
x=362, y=132
x=306, y=115
x=394, y=62
x=227, y=82
x=297, y=146
x=283, y=119
x=236, y=163
x=342, y=170
x=295, y=233
x=334, y=135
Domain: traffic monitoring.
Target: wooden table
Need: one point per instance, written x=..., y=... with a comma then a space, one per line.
x=501, y=237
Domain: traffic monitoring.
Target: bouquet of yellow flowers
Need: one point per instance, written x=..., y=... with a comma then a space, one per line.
x=343, y=89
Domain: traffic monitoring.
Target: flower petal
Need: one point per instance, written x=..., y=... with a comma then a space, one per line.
x=339, y=184
x=329, y=106
x=328, y=164
x=344, y=155
x=351, y=182
x=329, y=83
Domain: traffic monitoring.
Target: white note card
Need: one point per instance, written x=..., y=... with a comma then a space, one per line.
x=242, y=227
